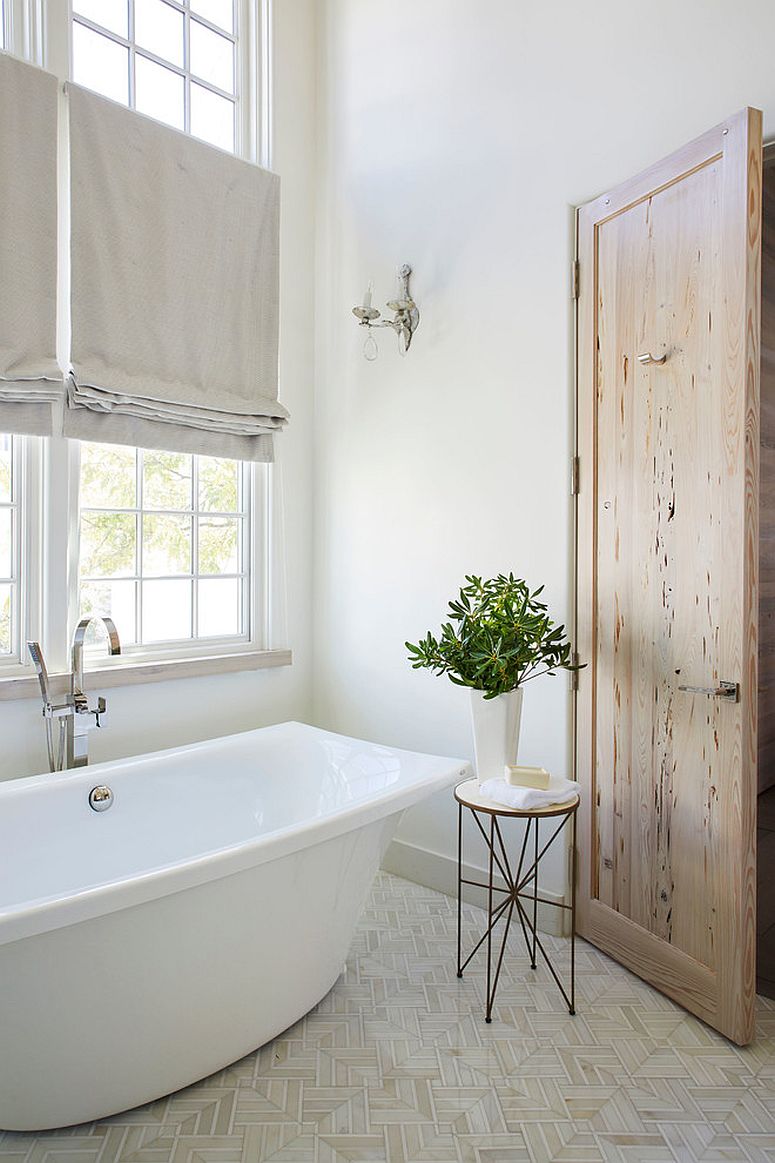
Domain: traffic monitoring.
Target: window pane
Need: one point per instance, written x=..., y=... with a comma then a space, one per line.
x=108, y=474
x=218, y=544
x=111, y=557
x=159, y=28
x=6, y=543
x=110, y=14
x=166, y=480
x=6, y=626
x=166, y=545
x=219, y=485
x=212, y=118
x=159, y=92
x=212, y=57
x=5, y=466
x=220, y=12
x=219, y=608
x=166, y=610
x=116, y=599
x=100, y=64
x=107, y=544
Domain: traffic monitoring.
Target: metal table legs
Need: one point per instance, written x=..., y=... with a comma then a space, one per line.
x=518, y=891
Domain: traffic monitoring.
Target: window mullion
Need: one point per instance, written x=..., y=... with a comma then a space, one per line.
x=60, y=538
x=132, y=70
x=18, y=565
x=28, y=545
x=194, y=546
x=107, y=33
x=8, y=30
x=248, y=559
x=13, y=511
x=262, y=84
x=140, y=498
x=187, y=67
x=55, y=38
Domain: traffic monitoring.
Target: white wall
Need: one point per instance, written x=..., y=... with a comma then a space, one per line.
x=166, y=714
x=458, y=136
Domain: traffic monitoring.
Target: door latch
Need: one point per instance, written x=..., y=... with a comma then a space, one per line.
x=729, y=691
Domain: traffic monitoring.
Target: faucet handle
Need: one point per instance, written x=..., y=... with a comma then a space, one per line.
x=100, y=715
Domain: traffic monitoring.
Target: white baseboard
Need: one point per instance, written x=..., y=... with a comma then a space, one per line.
x=440, y=872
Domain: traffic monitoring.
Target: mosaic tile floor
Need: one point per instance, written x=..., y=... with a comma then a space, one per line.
x=397, y=1064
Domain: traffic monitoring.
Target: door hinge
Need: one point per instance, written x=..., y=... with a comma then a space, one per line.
x=574, y=476
x=574, y=674
x=575, y=276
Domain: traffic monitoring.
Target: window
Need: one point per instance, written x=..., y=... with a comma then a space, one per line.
x=164, y=537
x=164, y=544
x=172, y=546
x=175, y=60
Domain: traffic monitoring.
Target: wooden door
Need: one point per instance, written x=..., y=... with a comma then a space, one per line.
x=767, y=486
x=668, y=415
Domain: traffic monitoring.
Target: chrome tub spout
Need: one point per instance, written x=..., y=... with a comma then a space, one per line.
x=75, y=716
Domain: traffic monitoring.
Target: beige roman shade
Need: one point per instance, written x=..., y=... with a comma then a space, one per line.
x=31, y=386
x=174, y=289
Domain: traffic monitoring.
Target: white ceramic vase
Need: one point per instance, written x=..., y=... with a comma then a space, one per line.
x=496, y=732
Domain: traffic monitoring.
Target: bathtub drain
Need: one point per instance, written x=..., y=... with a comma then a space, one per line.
x=100, y=798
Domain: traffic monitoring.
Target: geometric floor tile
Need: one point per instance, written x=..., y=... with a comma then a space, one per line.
x=397, y=1064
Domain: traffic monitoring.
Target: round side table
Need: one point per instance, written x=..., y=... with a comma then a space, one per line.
x=518, y=890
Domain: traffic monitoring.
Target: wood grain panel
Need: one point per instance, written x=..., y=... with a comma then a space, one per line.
x=656, y=624
x=767, y=488
x=740, y=298
x=667, y=540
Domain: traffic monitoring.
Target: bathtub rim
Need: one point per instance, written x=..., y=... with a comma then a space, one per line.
x=47, y=914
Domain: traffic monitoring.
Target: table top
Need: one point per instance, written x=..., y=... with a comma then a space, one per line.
x=468, y=794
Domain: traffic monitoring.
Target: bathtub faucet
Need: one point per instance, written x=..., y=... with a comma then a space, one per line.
x=85, y=717
x=75, y=717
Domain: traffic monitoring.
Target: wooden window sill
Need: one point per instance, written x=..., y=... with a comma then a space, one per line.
x=25, y=686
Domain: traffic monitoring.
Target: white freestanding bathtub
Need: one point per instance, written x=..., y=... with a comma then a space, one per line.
x=213, y=904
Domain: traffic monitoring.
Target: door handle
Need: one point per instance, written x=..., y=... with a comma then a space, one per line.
x=647, y=358
x=729, y=691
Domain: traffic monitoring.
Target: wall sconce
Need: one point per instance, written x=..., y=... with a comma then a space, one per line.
x=405, y=322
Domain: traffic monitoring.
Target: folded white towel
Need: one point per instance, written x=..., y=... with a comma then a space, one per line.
x=559, y=791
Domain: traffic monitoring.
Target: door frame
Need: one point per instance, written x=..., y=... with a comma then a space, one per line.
x=679, y=976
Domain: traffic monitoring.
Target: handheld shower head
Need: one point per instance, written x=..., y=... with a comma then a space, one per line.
x=56, y=759
x=36, y=654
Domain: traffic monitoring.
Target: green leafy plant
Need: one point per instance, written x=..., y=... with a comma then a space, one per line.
x=498, y=638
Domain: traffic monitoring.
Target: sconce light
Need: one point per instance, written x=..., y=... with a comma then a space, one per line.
x=404, y=323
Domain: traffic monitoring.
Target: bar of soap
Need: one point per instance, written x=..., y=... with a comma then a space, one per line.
x=527, y=777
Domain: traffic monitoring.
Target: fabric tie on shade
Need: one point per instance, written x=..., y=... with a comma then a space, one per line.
x=31, y=386
x=174, y=289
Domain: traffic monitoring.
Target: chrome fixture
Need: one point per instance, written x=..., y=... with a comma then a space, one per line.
x=84, y=717
x=50, y=712
x=74, y=716
x=729, y=691
x=100, y=798
x=406, y=316
x=647, y=359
